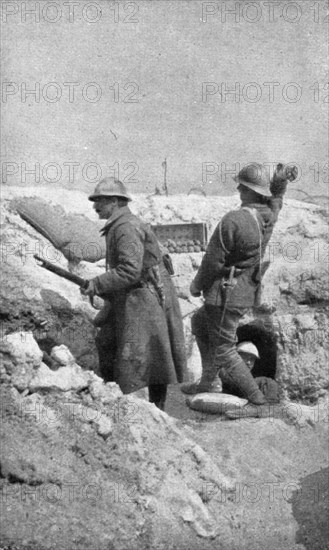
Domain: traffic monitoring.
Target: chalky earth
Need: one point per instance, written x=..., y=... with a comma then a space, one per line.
x=86, y=468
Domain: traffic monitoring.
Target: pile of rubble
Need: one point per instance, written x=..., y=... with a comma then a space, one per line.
x=70, y=407
x=87, y=467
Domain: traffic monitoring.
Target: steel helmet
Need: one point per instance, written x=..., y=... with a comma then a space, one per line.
x=248, y=347
x=255, y=177
x=110, y=187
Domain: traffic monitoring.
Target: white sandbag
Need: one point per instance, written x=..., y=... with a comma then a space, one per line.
x=215, y=403
x=75, y=235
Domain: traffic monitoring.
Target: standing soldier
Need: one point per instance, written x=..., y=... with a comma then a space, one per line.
x=230, y=278
x=141, y=339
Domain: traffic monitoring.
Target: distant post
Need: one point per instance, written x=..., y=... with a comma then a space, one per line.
x=165, y=187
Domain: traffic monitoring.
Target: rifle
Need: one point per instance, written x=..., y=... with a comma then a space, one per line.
x=83, y=283
x=62, y=272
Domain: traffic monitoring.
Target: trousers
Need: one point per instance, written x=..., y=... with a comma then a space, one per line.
x=216, y=339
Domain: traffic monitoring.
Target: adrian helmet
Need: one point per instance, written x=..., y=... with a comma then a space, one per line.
x=249, y=348
x=110, y=187
x=255, y=177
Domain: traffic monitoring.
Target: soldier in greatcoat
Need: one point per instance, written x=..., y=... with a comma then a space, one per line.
x=230, y=278
x=141, y=339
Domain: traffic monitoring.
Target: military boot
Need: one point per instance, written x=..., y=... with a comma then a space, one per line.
x=209, y=381
x=242, y=377
x=215, y=386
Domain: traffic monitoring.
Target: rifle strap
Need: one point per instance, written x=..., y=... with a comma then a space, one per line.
x=253, y=213
x=221, y=238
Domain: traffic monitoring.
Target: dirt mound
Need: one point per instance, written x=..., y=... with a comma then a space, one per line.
x=104, y=470
x=89, y=468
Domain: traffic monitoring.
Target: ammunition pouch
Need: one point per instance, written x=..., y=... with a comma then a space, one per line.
x=103, y=315
x=154, y=279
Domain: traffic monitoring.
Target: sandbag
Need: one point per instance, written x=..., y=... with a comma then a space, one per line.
x=75, y=235
x=215, y=403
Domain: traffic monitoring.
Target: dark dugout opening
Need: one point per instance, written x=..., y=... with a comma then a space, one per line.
x=265, y=341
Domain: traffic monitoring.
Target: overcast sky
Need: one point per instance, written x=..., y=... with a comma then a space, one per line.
x=121, y=86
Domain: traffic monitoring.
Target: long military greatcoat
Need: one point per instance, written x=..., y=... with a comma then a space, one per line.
x=144, y=342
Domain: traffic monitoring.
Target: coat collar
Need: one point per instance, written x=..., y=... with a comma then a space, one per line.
x=118, y=214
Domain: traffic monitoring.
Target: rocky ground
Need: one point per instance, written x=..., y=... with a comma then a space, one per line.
x=84, y=467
